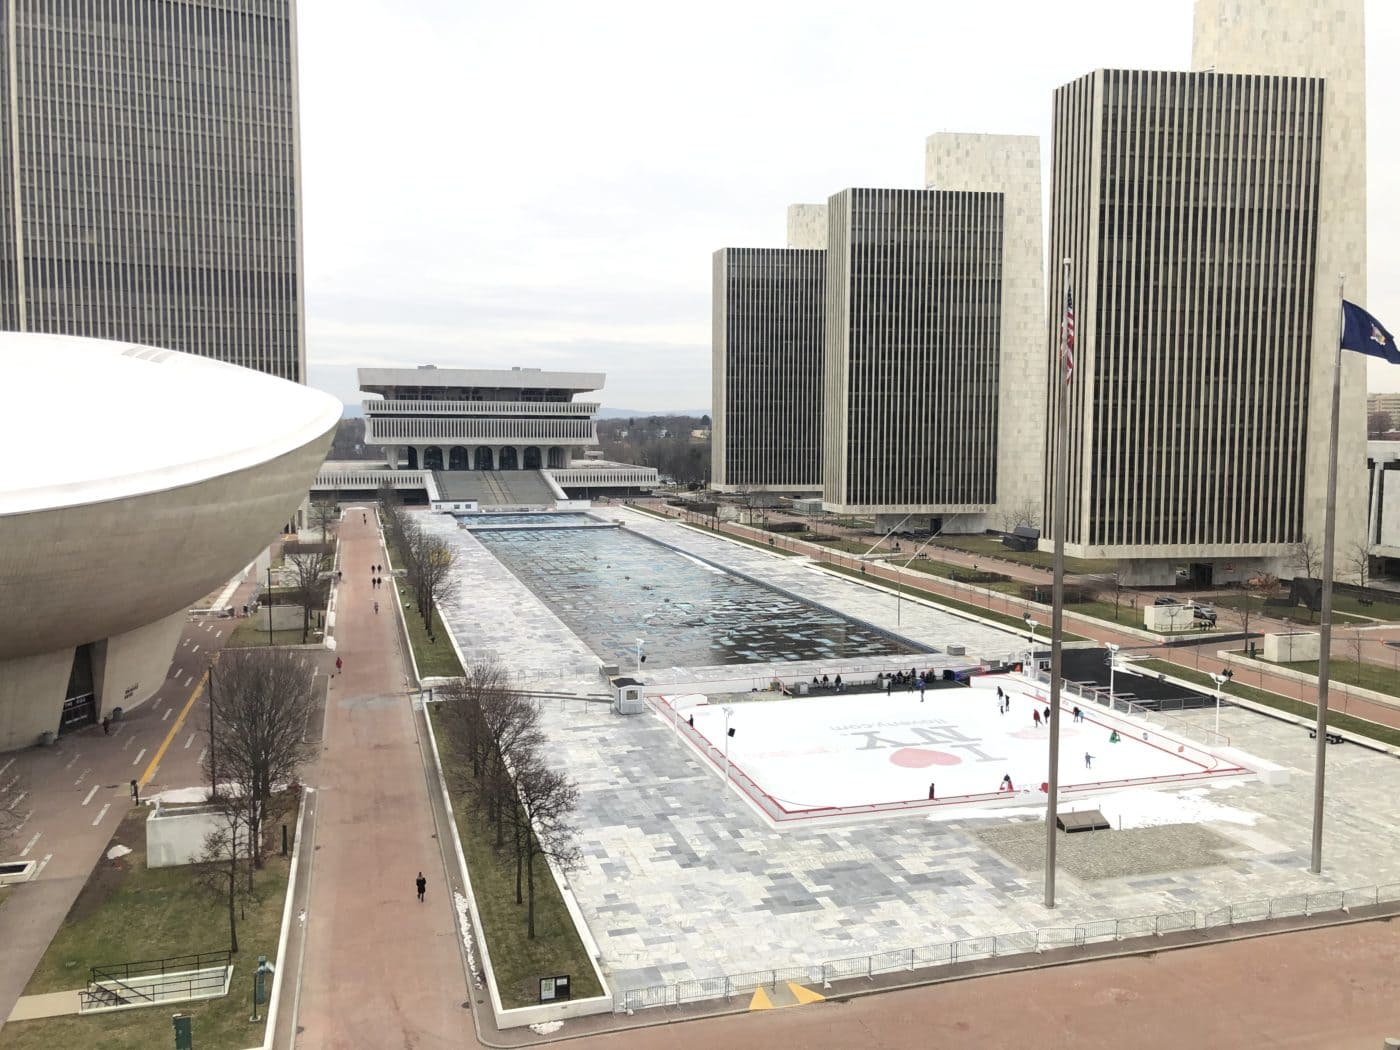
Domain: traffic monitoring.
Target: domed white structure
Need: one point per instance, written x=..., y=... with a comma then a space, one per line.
x=137, y=481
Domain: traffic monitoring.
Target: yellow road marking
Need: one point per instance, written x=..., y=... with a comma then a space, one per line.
x=760, y=1000
x=164, y=744
x=804, y=995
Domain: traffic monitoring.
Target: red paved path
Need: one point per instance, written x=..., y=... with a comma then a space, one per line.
x=381, y=970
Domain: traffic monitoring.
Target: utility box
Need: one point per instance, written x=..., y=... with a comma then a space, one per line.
x=184, y=1036
x=1286, y=647
x=628, y=696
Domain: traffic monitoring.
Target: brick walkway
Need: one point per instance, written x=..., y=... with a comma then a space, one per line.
x=380, y=969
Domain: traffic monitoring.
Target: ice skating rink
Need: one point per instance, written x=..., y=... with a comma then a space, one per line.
x=857, y=750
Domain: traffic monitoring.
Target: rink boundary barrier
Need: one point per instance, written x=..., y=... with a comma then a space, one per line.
x=1016, y=945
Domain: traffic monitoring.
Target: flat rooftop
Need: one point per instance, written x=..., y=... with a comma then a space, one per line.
x=427, y=377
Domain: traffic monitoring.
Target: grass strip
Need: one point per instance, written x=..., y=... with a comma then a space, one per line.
x=517, y=961
x=1335, y=718
x=1349, y=672
x=435, y=658
x=128, y=912
x=991, y=547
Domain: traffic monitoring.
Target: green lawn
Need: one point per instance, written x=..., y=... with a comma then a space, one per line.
x=518, y=962
x=248, y=634
x=127, y=912
x=1293, y=614
x=1345, y=669
x=992, y=547
x=435, y=658
x=1335, y=718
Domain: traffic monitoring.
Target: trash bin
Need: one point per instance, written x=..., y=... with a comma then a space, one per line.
x=46, y=738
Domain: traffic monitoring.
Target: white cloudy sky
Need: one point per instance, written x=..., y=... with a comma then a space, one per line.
x=543, y=183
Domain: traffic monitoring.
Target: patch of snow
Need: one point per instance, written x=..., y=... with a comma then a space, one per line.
x=1133, y=808
x=546, y=1027
x=174, y=795
x=117, y=851
x=464, y=919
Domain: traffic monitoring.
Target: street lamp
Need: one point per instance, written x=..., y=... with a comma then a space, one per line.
x=1032, y=624
x=728, y=714
x=1220, y=680
x=640, y=657
x=1112, y=666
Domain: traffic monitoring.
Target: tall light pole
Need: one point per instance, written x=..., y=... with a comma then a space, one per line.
x=1112, y=666
x=640, y=657
x=728, y=714
x=1032, y=624
x=1220, y=680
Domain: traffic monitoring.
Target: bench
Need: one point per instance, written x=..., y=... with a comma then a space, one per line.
x=1332, y=738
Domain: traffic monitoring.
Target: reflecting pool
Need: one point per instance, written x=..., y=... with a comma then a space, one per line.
x=612, y=587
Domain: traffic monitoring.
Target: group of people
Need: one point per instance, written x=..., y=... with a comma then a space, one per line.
x=826, y=683
x=912, y=679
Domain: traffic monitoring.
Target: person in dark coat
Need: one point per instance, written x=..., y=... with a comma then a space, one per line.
x=422, y=885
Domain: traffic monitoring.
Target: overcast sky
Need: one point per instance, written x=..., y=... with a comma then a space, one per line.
x=491, y=184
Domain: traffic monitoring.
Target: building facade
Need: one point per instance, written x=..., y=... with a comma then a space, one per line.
x=1384, y=404
x=454, y=419
x=806, y=226
x=769, y=311
x=152, y=188
x=1187, y=204
x=912, y=361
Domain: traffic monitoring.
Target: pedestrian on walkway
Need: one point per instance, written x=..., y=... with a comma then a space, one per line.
x=364, y=519
x=422, y=885
x=106, y=725
x=338, y=665
x=1035, y=714
x=1047, y=714
x=376, y=608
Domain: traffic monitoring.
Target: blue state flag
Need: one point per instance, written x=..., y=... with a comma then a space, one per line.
x=1364, y=334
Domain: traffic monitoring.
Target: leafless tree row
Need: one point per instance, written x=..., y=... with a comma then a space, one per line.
x=494, y=732
x=426, y=559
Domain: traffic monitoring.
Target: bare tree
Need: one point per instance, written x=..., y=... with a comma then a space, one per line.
x=1377, y=424
x=1359, y=561
x=512, y=726
x=225, y=858
x=462, y=712
x=1307, y=553
x=1118, y=572
x=260, y=710
x=324, y=514
x=546, y=802
x=1026, y=513
x=308, y=563
x=430, y=574
x=11, y=817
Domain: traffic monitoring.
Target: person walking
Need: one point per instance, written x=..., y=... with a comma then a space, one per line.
x=422, y=885
x=106, y=725
x=338, y=665
x=1078, y=715
x=1035, y=717
x=1047, y=714
x=376, y=608
x=922, y=684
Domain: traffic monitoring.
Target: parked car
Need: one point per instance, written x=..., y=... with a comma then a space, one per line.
x=1164, y=600
x=1206, y=614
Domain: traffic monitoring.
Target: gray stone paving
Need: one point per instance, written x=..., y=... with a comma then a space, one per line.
x=680, y=879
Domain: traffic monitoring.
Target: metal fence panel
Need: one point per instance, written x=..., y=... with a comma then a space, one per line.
x=885, y=962
x=1014, y=943
x=836, y=969
x=1359, y=898
x=645, y=998
x=1220, y=917
x=1058, y=937
x=1175, y=922
x=740, y=982
x=1289, y=906
x=800, y=974
x=1329, y=900
x=701, y=988
x=1103, y=930
x=1249, y=911
x=974, y=948
x=1388, y=892
x=933, y=955
x=1137, y=926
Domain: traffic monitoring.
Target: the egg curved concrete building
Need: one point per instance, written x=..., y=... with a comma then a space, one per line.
x=136, y=481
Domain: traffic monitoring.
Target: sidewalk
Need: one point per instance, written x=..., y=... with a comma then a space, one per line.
x=380, y=968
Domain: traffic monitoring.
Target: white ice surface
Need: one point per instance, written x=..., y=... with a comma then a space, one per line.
x=861, y=749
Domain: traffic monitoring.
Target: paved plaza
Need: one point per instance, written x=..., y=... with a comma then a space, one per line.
x=681, y=879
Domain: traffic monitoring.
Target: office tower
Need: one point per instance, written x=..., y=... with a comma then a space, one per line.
x=152, y=188
x=1327, y=39
x=769, y=306
x=1009, y=165
x=913, y=355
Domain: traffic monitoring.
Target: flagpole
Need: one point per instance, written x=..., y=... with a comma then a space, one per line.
x=1058, y=610
x=1329, y=540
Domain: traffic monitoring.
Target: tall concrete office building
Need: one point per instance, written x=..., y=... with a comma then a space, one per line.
x=1207, y=215
x=932, y=341
x=150, y=184
x=766, y=356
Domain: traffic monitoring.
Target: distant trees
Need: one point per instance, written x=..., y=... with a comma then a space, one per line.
x=1377, y=424
x=308, y=564
x=427, y=560
x=493, y=730
x=325, y=513
x=663, y=442
x=349, y=441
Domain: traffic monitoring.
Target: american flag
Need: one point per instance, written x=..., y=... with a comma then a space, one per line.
x=1067, y=336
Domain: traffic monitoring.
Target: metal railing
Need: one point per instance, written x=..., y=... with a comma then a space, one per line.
x=1010, y=945
x=178, y=977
